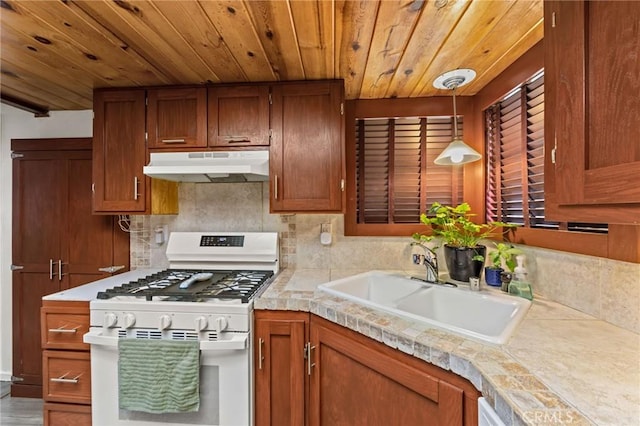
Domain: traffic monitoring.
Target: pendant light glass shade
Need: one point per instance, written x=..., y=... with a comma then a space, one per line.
x=457, y=152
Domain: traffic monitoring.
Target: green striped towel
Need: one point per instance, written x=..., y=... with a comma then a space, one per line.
x=159, y=376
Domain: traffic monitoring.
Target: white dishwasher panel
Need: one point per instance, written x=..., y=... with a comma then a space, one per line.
x=487, y=415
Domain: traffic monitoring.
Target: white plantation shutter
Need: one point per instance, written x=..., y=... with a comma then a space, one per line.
x=396, y=179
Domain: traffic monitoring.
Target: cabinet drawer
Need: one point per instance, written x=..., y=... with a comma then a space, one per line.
x=67, y=377
x=63, y=327
x=66, y=415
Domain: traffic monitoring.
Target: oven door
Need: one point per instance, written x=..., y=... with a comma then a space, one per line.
x=225, y=384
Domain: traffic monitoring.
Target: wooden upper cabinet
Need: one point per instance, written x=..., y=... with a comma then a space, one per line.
x=119, y=155
x=177, y=117
x=238, y=116
x=119, y=151
x=307, y=147
x=592, y=111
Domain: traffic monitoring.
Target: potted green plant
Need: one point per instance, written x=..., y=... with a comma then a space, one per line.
x=502, y=260
x=463, y=254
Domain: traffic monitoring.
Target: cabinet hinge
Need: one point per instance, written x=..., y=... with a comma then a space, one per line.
x=341, y=108
x=270, y=99
x=15, y=155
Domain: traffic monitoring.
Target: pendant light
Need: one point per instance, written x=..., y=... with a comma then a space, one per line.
x=457, y=152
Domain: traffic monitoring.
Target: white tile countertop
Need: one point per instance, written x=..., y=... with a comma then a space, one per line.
x=560, y=367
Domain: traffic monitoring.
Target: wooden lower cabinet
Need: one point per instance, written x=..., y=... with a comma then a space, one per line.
x=66, y=363
x=349, y=379
x=280, y=381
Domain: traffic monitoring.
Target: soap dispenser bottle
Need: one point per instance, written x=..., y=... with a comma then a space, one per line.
x=520, y=272
x=520, y=286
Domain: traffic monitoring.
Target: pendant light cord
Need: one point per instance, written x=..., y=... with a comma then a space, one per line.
x=455, y=114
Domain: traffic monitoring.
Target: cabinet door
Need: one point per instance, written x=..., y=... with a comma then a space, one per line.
x=91, y=241
x=177, y=118
x=359, y=381
x=119, y=152
x=238, y=116
x=280, y=391
x=591, y=78
x=306, y=153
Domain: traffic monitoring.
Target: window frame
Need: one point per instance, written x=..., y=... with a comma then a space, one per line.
x=409, y=107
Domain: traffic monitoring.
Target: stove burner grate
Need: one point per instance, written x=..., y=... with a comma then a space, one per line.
x=164, y=285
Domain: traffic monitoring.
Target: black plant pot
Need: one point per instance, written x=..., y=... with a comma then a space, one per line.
x=460, y=263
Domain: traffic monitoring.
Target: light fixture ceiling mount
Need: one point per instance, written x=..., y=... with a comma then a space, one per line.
x=457, y=152
x=455, y=78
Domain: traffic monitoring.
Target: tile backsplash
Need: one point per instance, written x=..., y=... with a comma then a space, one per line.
x=603, y=288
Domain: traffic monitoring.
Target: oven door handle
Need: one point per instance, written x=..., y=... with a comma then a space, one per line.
x=237, y=342
x=95, y=337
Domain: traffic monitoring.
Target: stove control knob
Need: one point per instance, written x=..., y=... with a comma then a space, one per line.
x=200, y=323
x=221, y=324
x=110, y=320
x=165, y=322
x=129, y=320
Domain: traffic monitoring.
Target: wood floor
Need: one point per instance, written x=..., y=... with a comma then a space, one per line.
x=18, y=411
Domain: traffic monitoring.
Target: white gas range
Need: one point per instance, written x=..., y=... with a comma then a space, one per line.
x=206, y=295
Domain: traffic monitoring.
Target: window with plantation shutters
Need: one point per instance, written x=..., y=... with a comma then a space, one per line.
x=514, y=134
x=396, y=179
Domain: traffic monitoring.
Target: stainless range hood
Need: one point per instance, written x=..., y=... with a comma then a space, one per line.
x=209, y=166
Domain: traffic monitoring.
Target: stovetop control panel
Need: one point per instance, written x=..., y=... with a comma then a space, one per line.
x=222, y=241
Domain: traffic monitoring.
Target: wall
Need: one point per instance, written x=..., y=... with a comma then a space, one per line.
x=16, y=124
x=603, y=288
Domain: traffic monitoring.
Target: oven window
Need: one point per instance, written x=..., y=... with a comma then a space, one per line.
x=208, y=414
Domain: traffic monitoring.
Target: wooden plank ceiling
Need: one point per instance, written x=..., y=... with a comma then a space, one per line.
x=54, y=53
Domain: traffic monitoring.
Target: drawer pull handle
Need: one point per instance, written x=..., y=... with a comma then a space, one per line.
x=237, y=139
x=63, y=379
x=260, y=355
x=173, y=140
x=63, y=330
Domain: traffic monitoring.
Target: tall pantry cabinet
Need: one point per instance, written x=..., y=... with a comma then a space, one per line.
x=57, y=243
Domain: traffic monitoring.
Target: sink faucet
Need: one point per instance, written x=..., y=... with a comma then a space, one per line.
x=430, y=261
